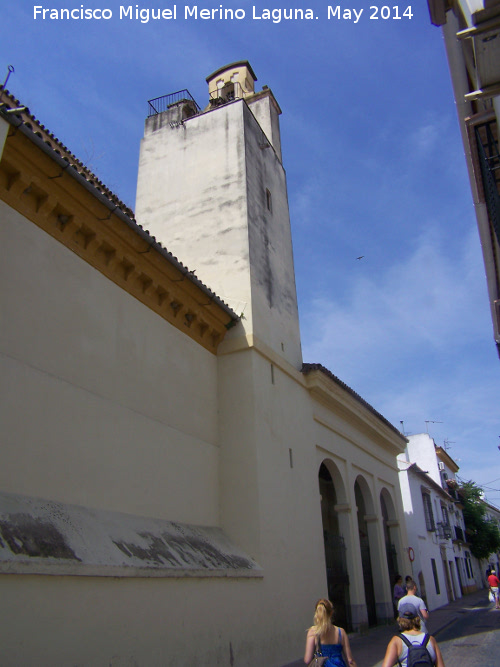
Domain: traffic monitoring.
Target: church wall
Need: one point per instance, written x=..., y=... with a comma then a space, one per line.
x=106, y=404
x=111, y=407
x=269, y=486
x=147, y=622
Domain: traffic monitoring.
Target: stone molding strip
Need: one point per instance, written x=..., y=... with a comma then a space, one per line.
x=46, y=537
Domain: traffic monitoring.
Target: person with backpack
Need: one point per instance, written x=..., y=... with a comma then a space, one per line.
x=412, y=647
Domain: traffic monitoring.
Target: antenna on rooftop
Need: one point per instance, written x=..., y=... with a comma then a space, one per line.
x=447, y=443
x=10, y=69
x=430, y=421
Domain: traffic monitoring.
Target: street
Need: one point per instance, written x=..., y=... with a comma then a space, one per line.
x=473, y=639
x=467, y=631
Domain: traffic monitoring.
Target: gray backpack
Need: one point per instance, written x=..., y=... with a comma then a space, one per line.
x=418, y=655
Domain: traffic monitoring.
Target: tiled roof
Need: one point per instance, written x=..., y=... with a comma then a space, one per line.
x=308, y=368
x=20, y=117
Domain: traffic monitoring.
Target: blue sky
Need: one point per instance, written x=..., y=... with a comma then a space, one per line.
x=375, y=167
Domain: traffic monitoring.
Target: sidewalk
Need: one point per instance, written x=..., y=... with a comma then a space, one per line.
x=369, y=649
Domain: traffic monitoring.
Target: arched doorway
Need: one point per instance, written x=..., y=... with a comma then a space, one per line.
x=365, y=507
x=389, y=523
x=335, y=549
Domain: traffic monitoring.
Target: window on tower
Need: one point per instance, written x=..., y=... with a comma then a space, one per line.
x=269, y=201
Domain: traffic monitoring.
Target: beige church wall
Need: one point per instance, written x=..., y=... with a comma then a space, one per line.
x=105, y=404
x=269, y=481
x=98, y=622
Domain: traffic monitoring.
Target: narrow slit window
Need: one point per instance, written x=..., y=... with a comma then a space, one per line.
x=269, y=200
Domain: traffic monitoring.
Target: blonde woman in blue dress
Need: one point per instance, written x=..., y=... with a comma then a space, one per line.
x=333, y=640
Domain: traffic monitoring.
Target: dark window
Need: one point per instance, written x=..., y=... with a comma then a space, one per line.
x=444, y=512
x=429, y=516
x=434, y=572
x=468, y=565
x=269, y=201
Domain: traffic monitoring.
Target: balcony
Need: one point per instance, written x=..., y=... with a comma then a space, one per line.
x=160, y=104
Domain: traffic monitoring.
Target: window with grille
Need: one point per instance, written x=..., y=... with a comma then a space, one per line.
x=444, y=512
x=429, y=516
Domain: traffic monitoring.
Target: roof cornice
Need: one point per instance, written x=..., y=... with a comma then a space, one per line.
x=44, y=186
x=329, y=390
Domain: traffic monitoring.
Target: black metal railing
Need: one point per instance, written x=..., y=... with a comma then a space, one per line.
x=230, y=91
x=161, y=104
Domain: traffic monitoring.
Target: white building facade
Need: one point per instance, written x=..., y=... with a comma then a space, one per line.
x=471, y=31
x=442, y=564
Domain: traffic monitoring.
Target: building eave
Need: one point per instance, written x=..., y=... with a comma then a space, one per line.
x=330, y=390
x=443, y=456
x=429, y=482
x=44, y=182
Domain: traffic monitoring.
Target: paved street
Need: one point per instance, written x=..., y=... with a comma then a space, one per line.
x=473, y=639
x=468, y=632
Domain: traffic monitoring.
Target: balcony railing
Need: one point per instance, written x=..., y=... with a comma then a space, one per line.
x=230, y=91
x=161, y=104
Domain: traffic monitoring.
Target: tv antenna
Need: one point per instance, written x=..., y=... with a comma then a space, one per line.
x=447, y=443
x=430, y=421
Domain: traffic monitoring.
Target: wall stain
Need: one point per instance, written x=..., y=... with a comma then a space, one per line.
x=34, y=538
x=181, y=551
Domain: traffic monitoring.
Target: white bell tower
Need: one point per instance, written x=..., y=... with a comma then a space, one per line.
x=212, y=189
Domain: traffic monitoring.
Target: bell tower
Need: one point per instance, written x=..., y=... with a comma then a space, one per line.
x=212, y=189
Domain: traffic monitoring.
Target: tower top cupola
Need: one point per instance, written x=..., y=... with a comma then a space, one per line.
x=233, y=81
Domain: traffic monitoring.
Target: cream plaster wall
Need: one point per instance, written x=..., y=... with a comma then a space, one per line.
x=95, y=622
x=105, y=404
x=216, y=168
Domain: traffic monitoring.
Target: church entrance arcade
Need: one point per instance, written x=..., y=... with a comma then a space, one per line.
x=361, y=544
x=335, y=548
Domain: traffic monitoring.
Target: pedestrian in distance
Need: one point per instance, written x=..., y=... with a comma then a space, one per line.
x=408, y=580
x=494, y=584
x=417, y=603
x=398, y=592
x=412, y=646
x=328, y=639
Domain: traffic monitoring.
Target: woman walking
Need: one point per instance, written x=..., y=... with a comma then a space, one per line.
x=409, y=626
x=332, y=641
